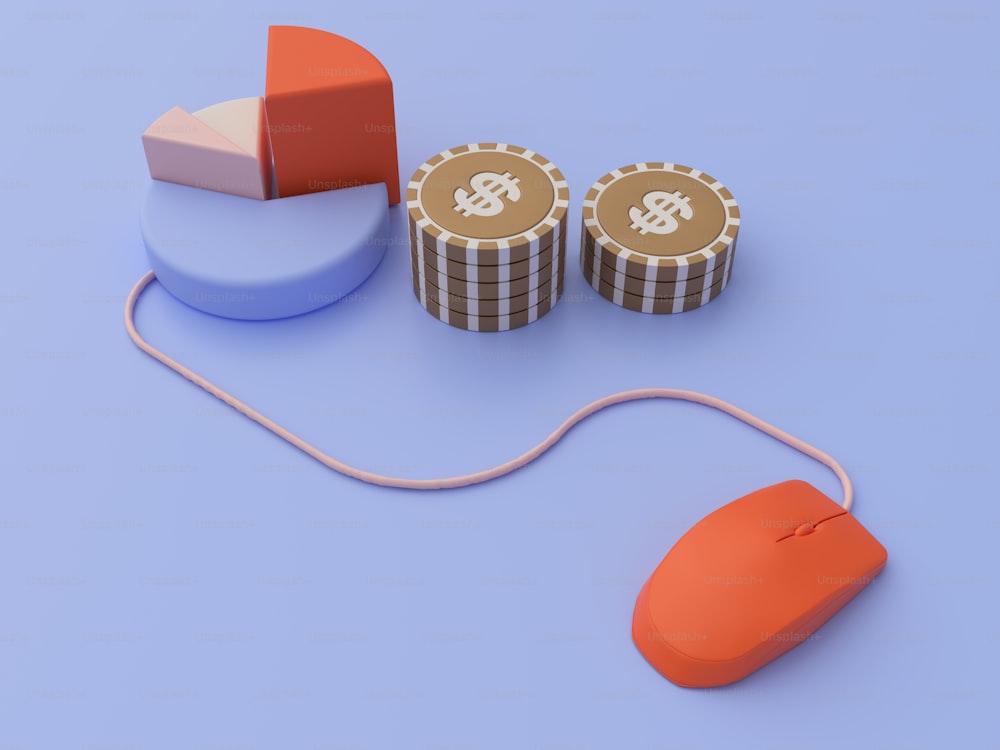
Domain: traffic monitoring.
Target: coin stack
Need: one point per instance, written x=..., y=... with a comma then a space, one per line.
x=487, y=236
x=658, y=238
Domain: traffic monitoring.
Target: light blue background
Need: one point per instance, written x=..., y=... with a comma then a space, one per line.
x=174, y=577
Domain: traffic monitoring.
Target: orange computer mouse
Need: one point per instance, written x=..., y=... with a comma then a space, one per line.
x=751, y=581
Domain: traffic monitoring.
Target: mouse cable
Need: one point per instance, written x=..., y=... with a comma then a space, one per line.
x=488, y=474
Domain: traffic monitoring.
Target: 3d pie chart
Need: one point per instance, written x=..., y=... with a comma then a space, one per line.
x=268, y=207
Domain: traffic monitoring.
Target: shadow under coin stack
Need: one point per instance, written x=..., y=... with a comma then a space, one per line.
x=487, y=236
x=658, y=238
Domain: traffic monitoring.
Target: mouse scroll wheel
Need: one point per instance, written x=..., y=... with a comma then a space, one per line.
x=806, y=528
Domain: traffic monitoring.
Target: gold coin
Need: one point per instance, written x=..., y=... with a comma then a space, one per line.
x=659, y=222
x=487, y=203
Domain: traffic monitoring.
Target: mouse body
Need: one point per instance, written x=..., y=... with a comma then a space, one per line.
x=749, y=582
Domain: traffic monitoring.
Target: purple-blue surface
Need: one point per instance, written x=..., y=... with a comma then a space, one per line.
x=174, y=576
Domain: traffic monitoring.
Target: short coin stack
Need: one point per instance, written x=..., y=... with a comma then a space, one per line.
x=487, y=236
x=658, y=238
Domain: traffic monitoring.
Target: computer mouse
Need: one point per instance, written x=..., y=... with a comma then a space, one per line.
x=751, y=581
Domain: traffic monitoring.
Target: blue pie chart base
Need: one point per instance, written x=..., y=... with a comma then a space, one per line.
x=260, y=260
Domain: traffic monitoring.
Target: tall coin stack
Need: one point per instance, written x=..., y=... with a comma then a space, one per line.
x=658, y=238
x=487, y=236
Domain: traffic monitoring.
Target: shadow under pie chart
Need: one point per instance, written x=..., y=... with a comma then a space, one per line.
x=260, y=260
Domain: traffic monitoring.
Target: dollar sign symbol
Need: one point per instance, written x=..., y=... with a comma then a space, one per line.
x=662, y=209
x=489, y=191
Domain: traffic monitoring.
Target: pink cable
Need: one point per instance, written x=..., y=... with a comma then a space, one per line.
x=497, y=471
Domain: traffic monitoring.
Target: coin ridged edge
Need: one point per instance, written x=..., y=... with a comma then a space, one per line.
x=492, y=323
x=593, y=269
x=456, y=303
x=499, y=323
x=435, y=264
x=662, y=305
x=656, y=274
x=489, y=274
x=417, y=247
x=484, y=290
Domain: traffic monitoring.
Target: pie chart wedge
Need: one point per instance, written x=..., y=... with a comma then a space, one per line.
x=223, y=147
x=330, y=113
x=260, y=260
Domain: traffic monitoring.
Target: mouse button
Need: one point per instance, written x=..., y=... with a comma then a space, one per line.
x=841, y=512
x=839, y=555
x=807, y=527
x=851, y=545
x=784, y=507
